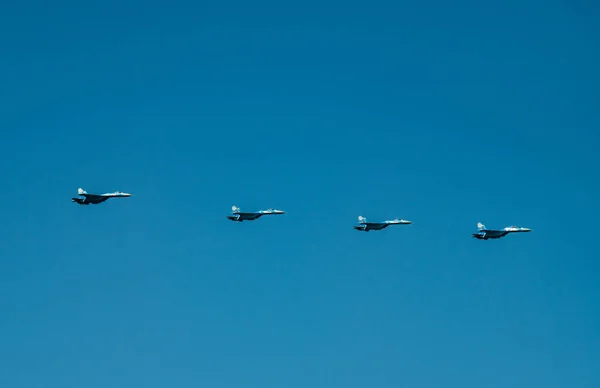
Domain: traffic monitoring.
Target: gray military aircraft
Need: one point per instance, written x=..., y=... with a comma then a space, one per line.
x=239, y=216
x=365, y=226
x=96, y=198
x=485, y=233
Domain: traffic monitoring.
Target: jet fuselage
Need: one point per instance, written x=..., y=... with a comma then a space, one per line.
x=365, y=226
x=239, y=216
x=94, y=199
x=486, y=234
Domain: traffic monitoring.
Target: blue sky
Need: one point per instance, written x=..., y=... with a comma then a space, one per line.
x=443, y=115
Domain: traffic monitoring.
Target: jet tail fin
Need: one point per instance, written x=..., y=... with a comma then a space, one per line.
x=81, y=191
x=235, y=209
x=362, y=219
x=480, y=226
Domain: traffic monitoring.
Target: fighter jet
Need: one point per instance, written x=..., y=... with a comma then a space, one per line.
x=96, y=198
x=365, y=226
x=239, y=216
x=485, y=233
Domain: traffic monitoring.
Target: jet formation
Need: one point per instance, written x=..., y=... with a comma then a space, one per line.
x=485, y=233
x=237, y=215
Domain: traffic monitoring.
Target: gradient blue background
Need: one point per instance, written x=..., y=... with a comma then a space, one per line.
x=443, y=115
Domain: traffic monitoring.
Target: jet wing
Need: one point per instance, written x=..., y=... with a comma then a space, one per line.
x=92, y=196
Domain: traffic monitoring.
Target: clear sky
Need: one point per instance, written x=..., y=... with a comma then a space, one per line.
x=443, y=115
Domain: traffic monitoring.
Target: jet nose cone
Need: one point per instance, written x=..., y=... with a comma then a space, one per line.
x=526, y=230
